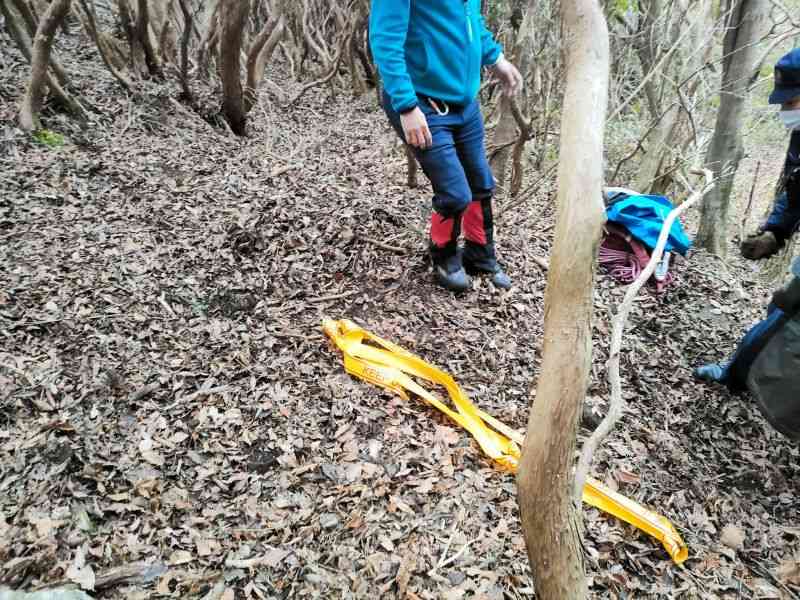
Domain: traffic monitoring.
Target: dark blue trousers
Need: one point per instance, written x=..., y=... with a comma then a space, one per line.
x=735, y=371
x=784, y=218
x=456, y=163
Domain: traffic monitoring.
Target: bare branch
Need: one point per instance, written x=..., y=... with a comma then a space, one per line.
x=616, y=402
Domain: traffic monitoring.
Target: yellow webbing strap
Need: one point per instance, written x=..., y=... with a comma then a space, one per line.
x=389, y=366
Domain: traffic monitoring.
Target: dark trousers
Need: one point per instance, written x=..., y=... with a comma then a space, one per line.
x=784, y=218
x=737, y=368
x=456, y=163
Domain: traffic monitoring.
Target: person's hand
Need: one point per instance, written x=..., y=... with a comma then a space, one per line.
x=508, y=75
x=415, y=129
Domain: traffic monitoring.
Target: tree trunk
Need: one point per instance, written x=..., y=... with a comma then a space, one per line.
x=209, y=43
x=90, y=24
x=188, y=23
x=20, y=36
x=31, y=26
x=505, y=133
x=40, y=59
x=748, y=22
x=648, y=47
x=658, y=152
x=548, y=507
x=260, y=52
x=234, y=16
x=142, y=33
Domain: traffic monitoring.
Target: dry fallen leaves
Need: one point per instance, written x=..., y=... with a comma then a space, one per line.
x=789, y=571
x=79, y=572
x=202, y=415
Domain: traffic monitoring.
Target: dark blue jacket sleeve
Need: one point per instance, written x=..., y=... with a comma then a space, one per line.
x=388, y=26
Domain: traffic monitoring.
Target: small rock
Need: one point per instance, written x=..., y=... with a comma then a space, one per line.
x=456, y=577
x=732, y=536
x=328, y=520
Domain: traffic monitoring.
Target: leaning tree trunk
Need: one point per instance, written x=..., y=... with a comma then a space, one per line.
x=260, y=53
x=40, y=59
x=18, y=32
x=748, y=22
x=548, y=507
x=234, y=16
x=142, y=32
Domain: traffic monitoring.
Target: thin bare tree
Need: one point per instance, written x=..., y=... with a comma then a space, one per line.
x=548, y=507
x=748, y=21
x=234, y=17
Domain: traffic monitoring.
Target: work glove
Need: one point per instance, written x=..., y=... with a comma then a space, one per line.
x=760, y=245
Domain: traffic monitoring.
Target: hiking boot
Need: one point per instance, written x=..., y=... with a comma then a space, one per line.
x=479, y=252
x=711, y=372
x=486, y=266
x=448, y=269
x=450, y=274
x=760, y=245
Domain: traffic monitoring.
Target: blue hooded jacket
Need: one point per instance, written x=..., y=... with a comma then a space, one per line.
x=434, y=48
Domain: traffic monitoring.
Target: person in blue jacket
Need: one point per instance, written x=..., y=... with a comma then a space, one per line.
x=785, y=216
x=429, y=54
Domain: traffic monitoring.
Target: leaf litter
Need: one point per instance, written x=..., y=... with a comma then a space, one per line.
x=173, y=422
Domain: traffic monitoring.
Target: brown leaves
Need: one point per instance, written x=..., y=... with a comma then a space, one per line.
x=789, y=571
x=159, y=310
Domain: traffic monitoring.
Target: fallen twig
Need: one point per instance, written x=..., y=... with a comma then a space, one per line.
x=541, y=262
x=249, y=563
x=140, y=572
x=143, y=392
x=20, y=373
x=615, y=404
x=282, y=170
x=389, y=247
x=749, y=207
x=333, y=297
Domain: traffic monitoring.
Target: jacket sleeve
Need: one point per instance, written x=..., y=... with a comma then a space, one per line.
x=388, y=26
x=490, y=49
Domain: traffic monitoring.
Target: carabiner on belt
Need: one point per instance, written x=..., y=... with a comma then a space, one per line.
x=435, y=107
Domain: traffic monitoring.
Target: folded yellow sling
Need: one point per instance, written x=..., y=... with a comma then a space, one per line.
x=389, y=366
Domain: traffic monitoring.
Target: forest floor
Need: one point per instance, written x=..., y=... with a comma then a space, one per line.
x=167, y=396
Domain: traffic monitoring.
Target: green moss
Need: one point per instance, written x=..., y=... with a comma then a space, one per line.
x=52, y=139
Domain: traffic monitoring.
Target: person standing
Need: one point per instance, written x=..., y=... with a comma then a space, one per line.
x=429, y=54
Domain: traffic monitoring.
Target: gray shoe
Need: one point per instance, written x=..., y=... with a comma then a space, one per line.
x=480, y=260
x=712, y=372
x=455, y=281
x=448, y=269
